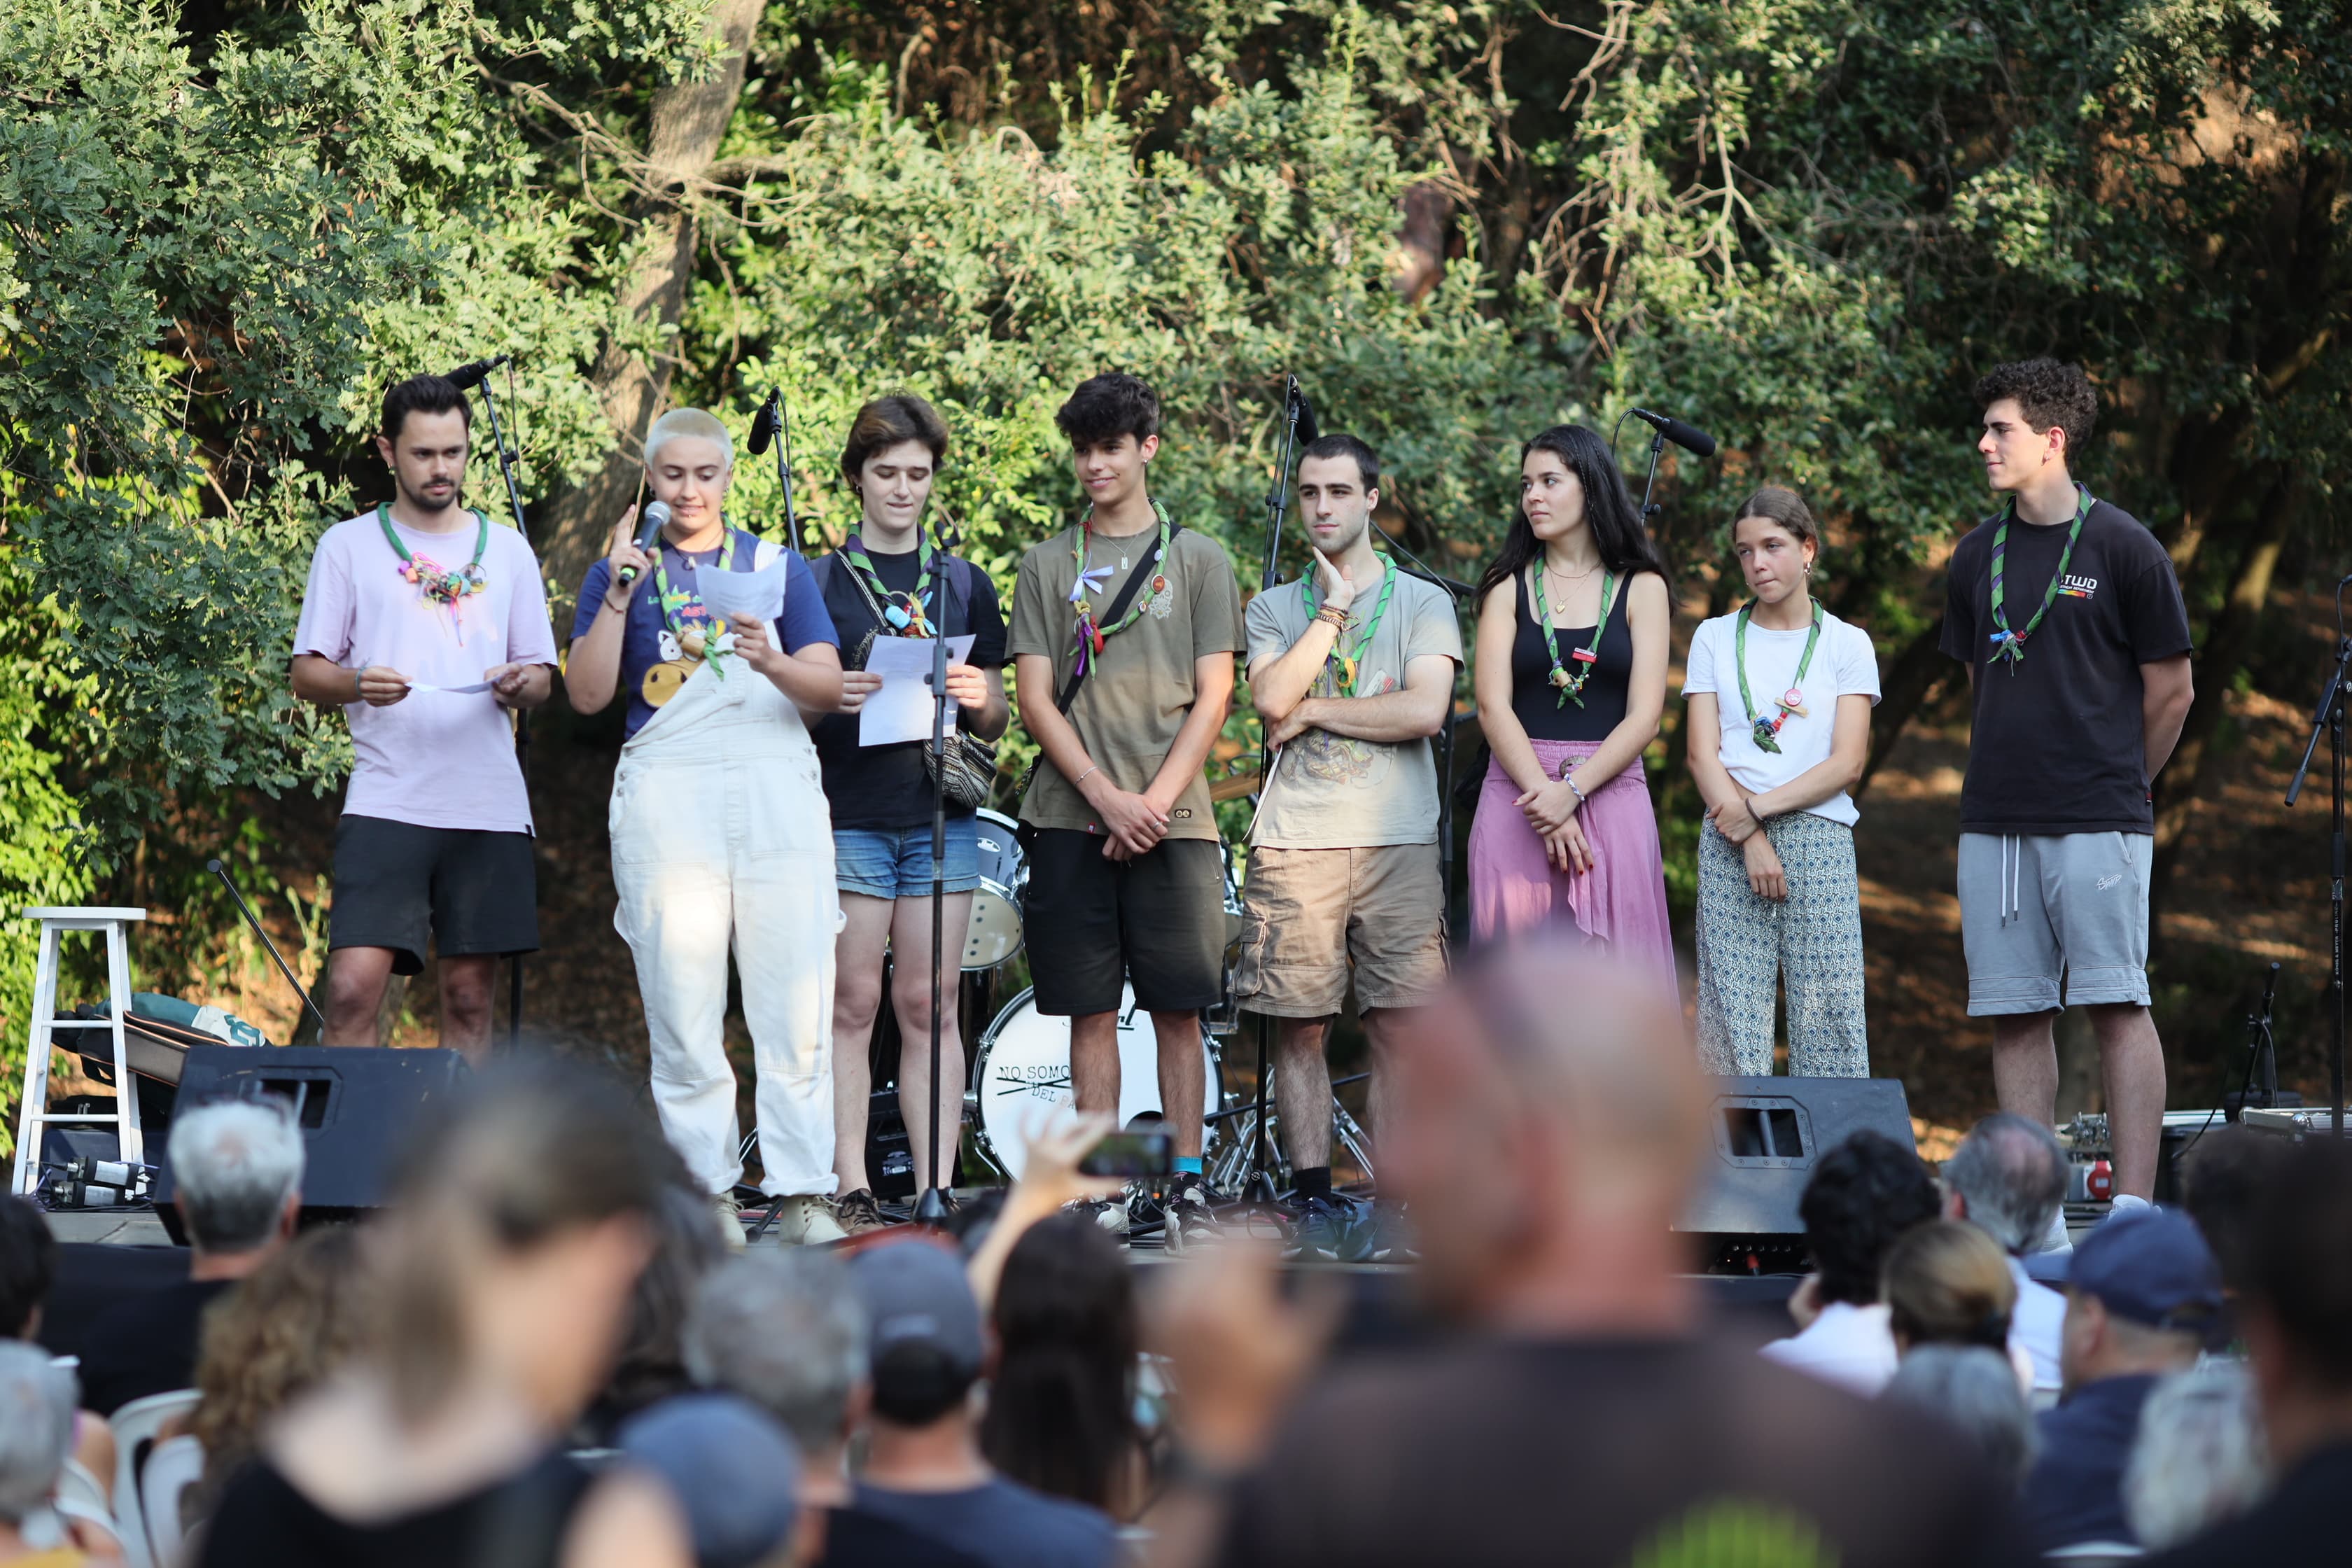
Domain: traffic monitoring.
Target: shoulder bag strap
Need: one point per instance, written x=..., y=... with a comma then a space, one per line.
x=1135, y=580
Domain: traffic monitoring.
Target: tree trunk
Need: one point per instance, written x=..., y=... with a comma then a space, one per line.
x=688, y=120
x=1910, y=681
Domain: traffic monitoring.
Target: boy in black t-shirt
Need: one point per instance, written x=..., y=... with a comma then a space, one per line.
x=2067, y=614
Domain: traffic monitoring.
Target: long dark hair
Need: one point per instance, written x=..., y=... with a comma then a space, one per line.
x=1618, y=531
x=1061, y=1408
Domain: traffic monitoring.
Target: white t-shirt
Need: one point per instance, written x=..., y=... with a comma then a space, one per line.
x=443, y=758
x=1851, y=1346
x=1844, y=665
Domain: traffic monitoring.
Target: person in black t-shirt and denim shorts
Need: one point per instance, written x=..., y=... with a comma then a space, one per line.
x=885, y=581
x=2066, y=612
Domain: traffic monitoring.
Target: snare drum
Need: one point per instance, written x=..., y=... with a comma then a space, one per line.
x=994, y=934
x=1021, y=1078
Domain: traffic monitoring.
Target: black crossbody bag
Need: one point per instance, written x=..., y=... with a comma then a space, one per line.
x=1067, y=697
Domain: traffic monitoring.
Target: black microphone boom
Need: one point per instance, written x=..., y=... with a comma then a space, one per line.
x=649, y=527
x=1308, y=432
x=476, y=372
x=1689, y=437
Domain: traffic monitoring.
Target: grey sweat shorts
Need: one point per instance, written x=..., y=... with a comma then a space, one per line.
x=2034, y=907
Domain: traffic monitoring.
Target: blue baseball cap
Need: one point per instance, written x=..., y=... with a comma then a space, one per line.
x=733, y=1468
x=2153, y=1269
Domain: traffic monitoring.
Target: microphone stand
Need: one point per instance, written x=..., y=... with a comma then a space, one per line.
x=218, y=869
x=2329, y=715
x=508, y=458
x=931, y=1207
x=1657, y=448
x=1260, y=1186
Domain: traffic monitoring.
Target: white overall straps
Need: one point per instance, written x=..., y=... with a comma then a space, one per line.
x=721, y=838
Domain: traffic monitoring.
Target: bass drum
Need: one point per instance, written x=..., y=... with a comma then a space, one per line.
x=1021, y=1078
x=995, y=935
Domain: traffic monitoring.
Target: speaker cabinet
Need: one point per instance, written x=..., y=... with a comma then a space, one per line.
x=1767, y=1133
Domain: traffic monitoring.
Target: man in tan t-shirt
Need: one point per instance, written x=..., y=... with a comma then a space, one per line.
x=1125, y=871
x=1352, y=673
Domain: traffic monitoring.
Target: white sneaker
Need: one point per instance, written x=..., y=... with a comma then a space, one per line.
x=730, y=1215
x=806, y=1220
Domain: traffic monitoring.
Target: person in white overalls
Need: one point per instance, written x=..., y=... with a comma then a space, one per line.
x=720, y=833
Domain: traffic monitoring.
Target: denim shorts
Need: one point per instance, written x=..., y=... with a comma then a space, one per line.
x=896, y=863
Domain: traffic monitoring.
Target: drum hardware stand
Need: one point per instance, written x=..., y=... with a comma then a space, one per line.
x=2329, y=717
x=218, y=869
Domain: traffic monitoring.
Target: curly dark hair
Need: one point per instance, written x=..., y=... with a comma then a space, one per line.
x=2048, y=393
x=1864, y=1193
x=1106, y=406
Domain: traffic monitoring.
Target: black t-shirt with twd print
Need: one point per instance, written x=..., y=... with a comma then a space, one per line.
x=2057, y=744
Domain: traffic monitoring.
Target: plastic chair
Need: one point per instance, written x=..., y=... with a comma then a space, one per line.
x=137, y=1426
x=175, y=1466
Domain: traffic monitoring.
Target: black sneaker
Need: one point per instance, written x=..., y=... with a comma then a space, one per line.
x=857, y=1213
x=1190, y=1217
x=1389, y=1235
x=1321, y=1231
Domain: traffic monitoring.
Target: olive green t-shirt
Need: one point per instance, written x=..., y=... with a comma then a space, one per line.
x=1140, y=690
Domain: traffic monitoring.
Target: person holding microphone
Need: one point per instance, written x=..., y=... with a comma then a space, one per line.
x=720, y=834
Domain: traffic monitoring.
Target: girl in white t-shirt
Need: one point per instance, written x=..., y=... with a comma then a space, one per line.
x=1779, y=695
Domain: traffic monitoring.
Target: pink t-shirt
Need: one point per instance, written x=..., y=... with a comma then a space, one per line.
x=436, y=759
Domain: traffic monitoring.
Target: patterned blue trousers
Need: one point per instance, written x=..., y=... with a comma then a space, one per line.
x=1813, y=938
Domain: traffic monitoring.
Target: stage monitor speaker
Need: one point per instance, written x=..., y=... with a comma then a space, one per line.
x=1766, y=1133
x=354, y=1105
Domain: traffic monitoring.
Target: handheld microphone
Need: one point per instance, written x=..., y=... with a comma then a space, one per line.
x=1308, y=431
x=649, y=527
x=476, y=372
x=1689, y=437
x=764, y=425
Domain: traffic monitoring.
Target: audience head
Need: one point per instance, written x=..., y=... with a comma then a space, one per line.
x=2007, y=1178
x=787, y=1332
x=1061, y=1400
x=925, y=1342
x=295, y=1321
x=2298, y=1319
x=28, y=1266
x=2142, y=1294
x=2225, y=1178
x=1547, y=1149
x=236, y=1175
x=733, y=1470
x=36, y=1421
x=522, y=1213
x=1947, y=1283
x=2199, y=1458
x=686, y=1247
x=1974, y=1388
x=1863, y=1194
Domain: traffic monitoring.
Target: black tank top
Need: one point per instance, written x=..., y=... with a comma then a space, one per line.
x=1535, y=701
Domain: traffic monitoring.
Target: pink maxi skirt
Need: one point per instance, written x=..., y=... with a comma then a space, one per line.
x=1619, y=904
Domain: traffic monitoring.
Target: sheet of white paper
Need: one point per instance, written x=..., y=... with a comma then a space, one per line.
x=727, y=595
x=454, y=690
x=901, y=711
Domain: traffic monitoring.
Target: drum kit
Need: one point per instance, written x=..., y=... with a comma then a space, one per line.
x=1020, y=1069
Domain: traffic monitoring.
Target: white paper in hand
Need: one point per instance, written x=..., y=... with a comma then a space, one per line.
x=453, y=690
x=901, y=711
x=759, y=594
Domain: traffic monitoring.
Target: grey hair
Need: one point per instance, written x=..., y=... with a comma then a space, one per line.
x=234, y=1163
x=2011, y=1173
x=786, y=1333
x=688, y=422
x=2200, y=1456
x=1975, y=1389
x=37, y=1416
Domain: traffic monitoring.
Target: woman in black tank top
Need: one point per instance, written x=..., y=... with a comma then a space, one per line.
x=503, y=1271
x=1574, y=620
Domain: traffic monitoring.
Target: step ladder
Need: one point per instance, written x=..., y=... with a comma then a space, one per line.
x=32, y=1113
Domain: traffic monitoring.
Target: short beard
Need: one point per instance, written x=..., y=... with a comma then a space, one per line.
x=420, y=503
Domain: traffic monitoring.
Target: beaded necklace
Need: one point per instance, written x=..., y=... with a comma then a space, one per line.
x=2009, y=645
x=433, y=582
x=1571, y=685
x=1363, y=638
x=904, y=612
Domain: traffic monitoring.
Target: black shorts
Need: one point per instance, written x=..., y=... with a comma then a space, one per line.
x=1157, y=922
x=476, y=891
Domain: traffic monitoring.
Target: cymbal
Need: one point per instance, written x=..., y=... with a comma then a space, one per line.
x=1234, y=786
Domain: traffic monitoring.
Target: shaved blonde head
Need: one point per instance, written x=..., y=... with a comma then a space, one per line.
x=688, y=422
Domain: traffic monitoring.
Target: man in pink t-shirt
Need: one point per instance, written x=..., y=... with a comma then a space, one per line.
x=424, y=623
